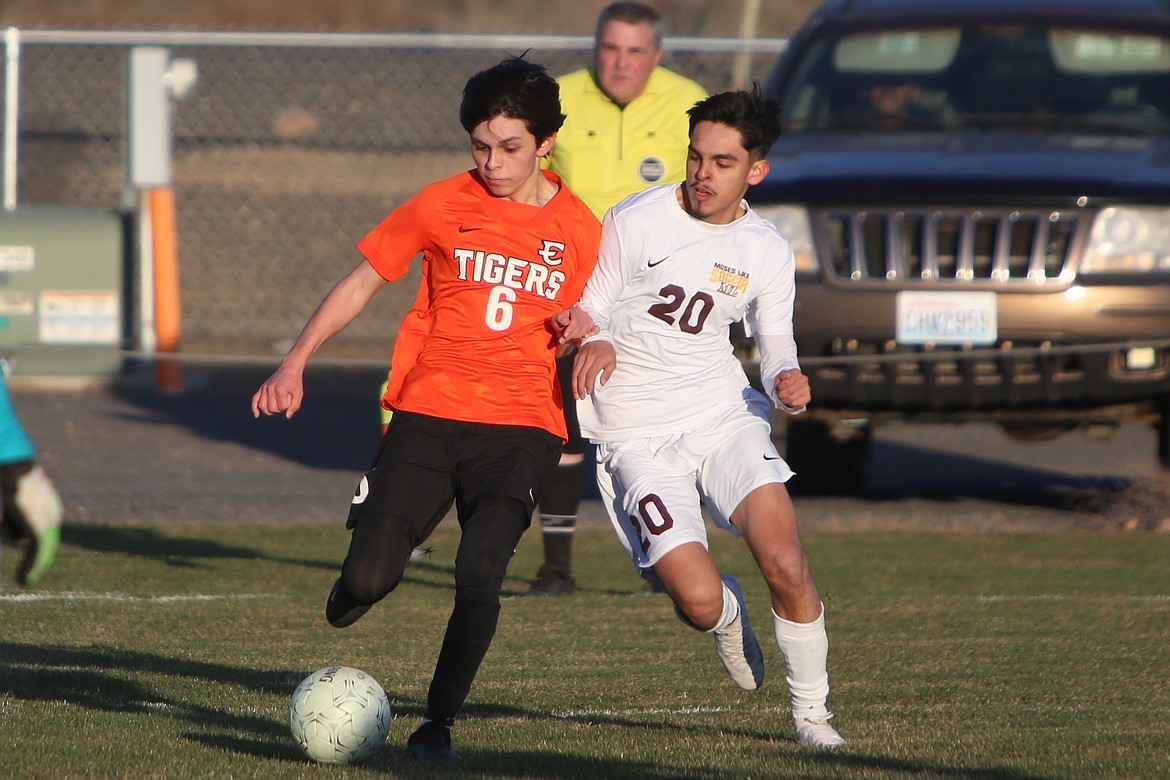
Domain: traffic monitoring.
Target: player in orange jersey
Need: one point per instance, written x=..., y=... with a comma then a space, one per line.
x=478, y=417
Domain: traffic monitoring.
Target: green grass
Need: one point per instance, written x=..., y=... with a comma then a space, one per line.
x=171, y=652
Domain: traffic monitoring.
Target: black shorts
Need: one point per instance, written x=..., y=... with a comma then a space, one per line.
x=427, y=463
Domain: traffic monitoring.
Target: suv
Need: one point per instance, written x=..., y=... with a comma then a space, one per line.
x=978, y=196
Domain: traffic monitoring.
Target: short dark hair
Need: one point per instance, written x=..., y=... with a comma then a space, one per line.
x=517, y=89
x=630, y=13
x=757, y=118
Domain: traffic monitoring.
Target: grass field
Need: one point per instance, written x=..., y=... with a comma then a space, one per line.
x=172, y=651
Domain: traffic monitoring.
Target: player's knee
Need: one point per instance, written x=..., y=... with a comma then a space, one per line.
x=366, y=586
x=785, y=570
x=699, y=604
x=481, y=563
x=371, y=571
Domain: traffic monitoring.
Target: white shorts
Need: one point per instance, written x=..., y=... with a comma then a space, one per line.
x=654, y=489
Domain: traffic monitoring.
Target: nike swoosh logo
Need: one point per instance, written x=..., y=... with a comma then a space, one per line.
x=776, y=457
x=463, y=229
x=658, y=262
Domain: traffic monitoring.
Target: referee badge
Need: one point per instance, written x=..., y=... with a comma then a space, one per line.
x=651, y=169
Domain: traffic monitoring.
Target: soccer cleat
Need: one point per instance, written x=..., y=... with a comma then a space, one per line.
x=816, y=732
x=432, y=742
x=38, y=512
x=552, y=581
x=340, y=609
x=737, y=645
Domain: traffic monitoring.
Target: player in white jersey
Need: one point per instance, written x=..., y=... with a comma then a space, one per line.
x=677, y=424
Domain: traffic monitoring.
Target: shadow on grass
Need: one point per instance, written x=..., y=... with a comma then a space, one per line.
x=793, y=763
x=79, y=674
x=118, y=681
x=187, y=553
x=839, y=762
x=516, y=583
x=149, y=542
x=392, y=760
x=114, y=680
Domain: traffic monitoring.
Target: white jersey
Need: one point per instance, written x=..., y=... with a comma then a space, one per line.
x=666, y=289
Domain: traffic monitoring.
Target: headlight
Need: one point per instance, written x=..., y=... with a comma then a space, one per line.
x=1128, y=240
x=792, y=222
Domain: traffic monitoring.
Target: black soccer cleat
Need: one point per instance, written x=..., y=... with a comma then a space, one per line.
x=341, y=610
x=432, y=742
x=552, y=581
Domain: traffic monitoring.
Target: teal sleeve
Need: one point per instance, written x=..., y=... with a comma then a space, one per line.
x=15, y=445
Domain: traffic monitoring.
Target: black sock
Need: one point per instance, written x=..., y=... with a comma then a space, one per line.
x=469, y=635
x=558, y=541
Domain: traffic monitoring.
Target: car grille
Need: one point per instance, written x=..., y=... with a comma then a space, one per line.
x=924, y=245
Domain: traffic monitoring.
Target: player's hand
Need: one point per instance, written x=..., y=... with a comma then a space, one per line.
x=281, y=393
x=572, y=325
x=595, y=362
x=792, y=389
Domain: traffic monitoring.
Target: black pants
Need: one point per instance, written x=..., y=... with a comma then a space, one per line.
x=493, y=474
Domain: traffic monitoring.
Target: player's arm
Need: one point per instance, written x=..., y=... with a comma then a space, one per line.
x=608, y=278
x=769, y=322
x=596, y=357
x=284, y=390
x=780, y=373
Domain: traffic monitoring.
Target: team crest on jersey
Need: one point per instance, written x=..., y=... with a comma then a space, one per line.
x=731, y=281
x=651, y=169
x=552, y=252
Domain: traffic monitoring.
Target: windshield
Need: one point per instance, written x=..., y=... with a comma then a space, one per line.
x=941, y=78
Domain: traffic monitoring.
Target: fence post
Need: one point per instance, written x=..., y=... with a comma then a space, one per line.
x=153, y=84
x=11, y=114
x=749, y=22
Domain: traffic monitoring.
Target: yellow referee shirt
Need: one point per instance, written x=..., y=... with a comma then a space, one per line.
x=604, y=153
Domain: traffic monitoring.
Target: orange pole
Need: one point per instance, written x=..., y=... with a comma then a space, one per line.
x=168, y=373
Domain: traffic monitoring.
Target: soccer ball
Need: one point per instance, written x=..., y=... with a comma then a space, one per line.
x=339, y=715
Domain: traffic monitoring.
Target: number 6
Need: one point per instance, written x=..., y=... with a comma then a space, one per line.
x=499, y=311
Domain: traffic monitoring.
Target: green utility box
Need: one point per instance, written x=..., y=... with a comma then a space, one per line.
x=61, y=271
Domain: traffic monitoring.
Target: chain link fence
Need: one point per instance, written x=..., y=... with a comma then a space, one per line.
x=284, y=156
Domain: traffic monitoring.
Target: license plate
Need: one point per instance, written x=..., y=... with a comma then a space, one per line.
x=945, y=317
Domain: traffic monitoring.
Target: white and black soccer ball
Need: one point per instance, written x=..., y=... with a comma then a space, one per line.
x=339, y=715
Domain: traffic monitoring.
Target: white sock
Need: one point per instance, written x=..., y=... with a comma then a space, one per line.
x=730, y=610
x=805, y=647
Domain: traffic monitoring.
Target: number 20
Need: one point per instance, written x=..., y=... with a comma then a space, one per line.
x=654, y=517
x=698, y=308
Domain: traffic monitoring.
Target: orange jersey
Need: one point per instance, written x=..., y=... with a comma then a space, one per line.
x=476, y=346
